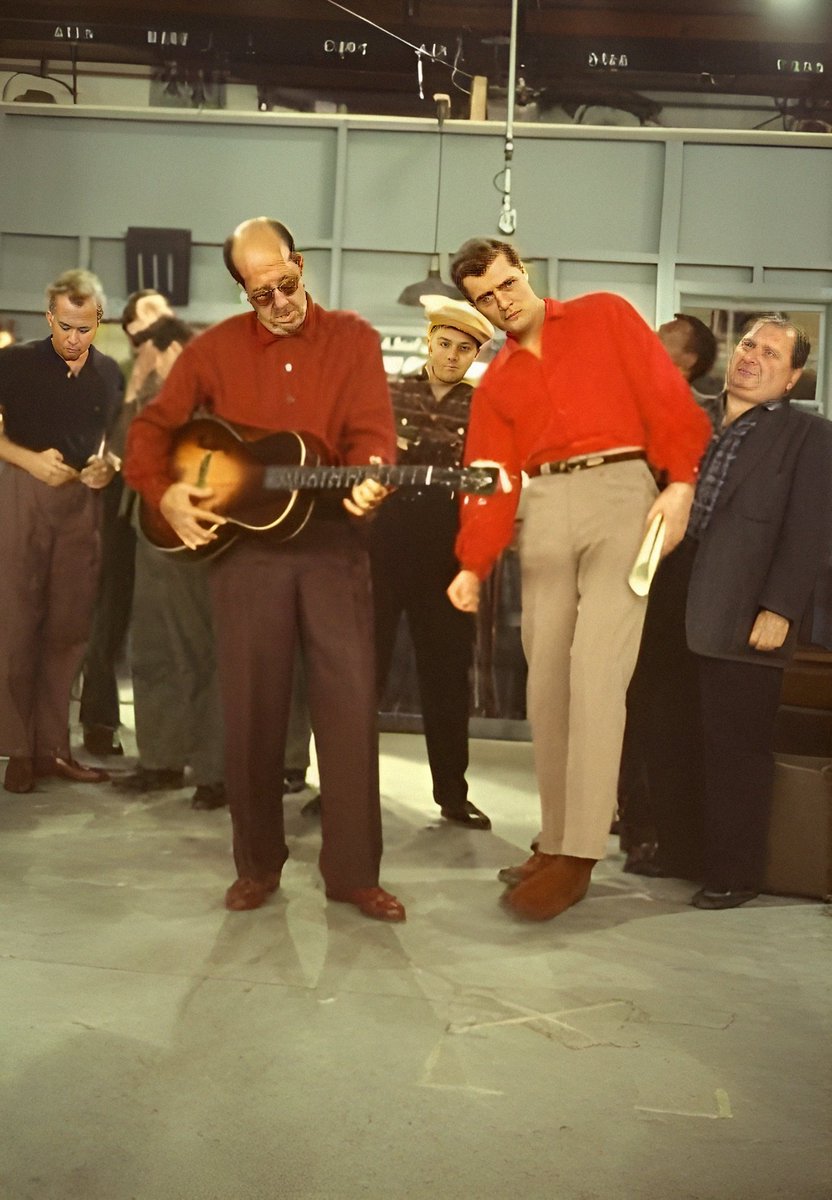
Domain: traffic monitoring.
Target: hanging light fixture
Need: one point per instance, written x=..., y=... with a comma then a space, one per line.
x=507, y=220
x=433, y=283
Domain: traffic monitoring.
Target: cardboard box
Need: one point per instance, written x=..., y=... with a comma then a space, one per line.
x=800, y=833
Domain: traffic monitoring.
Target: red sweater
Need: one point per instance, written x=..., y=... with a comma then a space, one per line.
x=604, y=380
x=328, y=379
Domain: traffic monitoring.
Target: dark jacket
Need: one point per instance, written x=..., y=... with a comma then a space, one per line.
x=767, y=539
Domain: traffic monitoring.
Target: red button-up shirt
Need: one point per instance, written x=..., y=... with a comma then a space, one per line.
x=603, y=380
x=327, y=379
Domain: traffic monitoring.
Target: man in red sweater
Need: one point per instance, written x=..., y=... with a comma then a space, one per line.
x=286, y=365
x=580, y=399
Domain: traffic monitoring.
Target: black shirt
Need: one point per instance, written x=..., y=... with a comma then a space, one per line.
x=46, y=407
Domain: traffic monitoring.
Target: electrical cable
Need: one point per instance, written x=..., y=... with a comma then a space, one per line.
x=34, y=75
x=420, y=51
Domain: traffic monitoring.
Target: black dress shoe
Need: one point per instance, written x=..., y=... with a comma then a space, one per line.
x=466, y=814
x=102, y=741
x=147, y=779
x=641, y=860
x=705, y=898
x=209, y=796
x=294, y=782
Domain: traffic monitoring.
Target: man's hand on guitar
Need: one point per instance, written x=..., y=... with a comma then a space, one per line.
x=365, y=496
x=190, y=521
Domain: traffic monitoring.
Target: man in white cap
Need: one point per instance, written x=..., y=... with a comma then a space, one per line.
x=412, y=549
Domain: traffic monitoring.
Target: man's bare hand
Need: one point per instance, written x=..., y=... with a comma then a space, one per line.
x=464, y=591
x=98, y=472
x=674, y=505
x=49, y=467
x=192, y=521
x=769, y=631
x=365, y=496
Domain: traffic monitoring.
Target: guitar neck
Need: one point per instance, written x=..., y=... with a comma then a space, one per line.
x=467, y=479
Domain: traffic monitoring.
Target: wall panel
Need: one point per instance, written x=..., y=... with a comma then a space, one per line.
x=99, y=176
x=758, y=204
x=649, y=213
x=635, y=281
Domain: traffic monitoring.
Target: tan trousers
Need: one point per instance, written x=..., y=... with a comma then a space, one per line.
x=581, y=626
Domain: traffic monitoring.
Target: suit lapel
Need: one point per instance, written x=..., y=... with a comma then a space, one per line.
x=755, y=449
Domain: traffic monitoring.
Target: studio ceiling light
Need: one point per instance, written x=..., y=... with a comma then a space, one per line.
x=433, y=283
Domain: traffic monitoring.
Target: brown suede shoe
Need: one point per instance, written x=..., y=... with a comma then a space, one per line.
x=20, y=775
x=68, y=768
x=246, y=893
x=373, y=902
x=514, y=875
x=551, y=890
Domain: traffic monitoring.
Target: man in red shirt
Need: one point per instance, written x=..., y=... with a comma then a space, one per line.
x=580, y=399
x=286, y=365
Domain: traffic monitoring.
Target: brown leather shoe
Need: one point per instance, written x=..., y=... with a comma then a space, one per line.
x=68, y=768
x=246, y=893
x=373, y=902
x=550, y=891
x=514, y=875
x=20, y=775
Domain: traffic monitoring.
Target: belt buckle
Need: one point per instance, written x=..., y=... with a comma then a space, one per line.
x=596, y=460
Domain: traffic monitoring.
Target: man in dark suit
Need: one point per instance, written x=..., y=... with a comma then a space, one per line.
x=758, y=533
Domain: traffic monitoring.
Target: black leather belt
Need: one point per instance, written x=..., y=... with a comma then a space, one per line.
x=567, y=465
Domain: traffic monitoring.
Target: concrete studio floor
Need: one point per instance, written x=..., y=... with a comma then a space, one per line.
x=156, y=1047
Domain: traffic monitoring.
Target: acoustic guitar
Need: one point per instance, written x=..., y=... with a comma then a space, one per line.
x=269, y=483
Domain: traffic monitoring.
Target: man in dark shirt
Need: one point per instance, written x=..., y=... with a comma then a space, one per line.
x=692, y=347
x=59, y=399
x=412, y=550
x=176, y=703
x=100, y=712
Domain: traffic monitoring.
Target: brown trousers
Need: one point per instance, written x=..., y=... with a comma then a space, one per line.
x=313, y=591
x=581, y=625
x=49, y=560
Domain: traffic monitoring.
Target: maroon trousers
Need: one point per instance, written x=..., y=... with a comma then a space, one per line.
x=49, y=560
x=313, y=590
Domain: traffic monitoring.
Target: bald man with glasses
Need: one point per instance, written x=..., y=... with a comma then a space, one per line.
x=288, y=365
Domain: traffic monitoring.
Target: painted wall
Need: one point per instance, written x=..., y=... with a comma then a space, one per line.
x=664, y=217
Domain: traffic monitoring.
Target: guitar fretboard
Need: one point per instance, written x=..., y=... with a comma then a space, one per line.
x=481, y=480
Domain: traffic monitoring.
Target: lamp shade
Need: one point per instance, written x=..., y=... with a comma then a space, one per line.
x=433, y=284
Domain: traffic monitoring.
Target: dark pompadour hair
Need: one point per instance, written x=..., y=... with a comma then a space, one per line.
x=476, y=255
x=701, y=342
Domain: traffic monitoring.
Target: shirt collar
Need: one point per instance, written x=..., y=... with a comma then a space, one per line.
x=267, y=338
x=554, y=310
x=751, y=414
